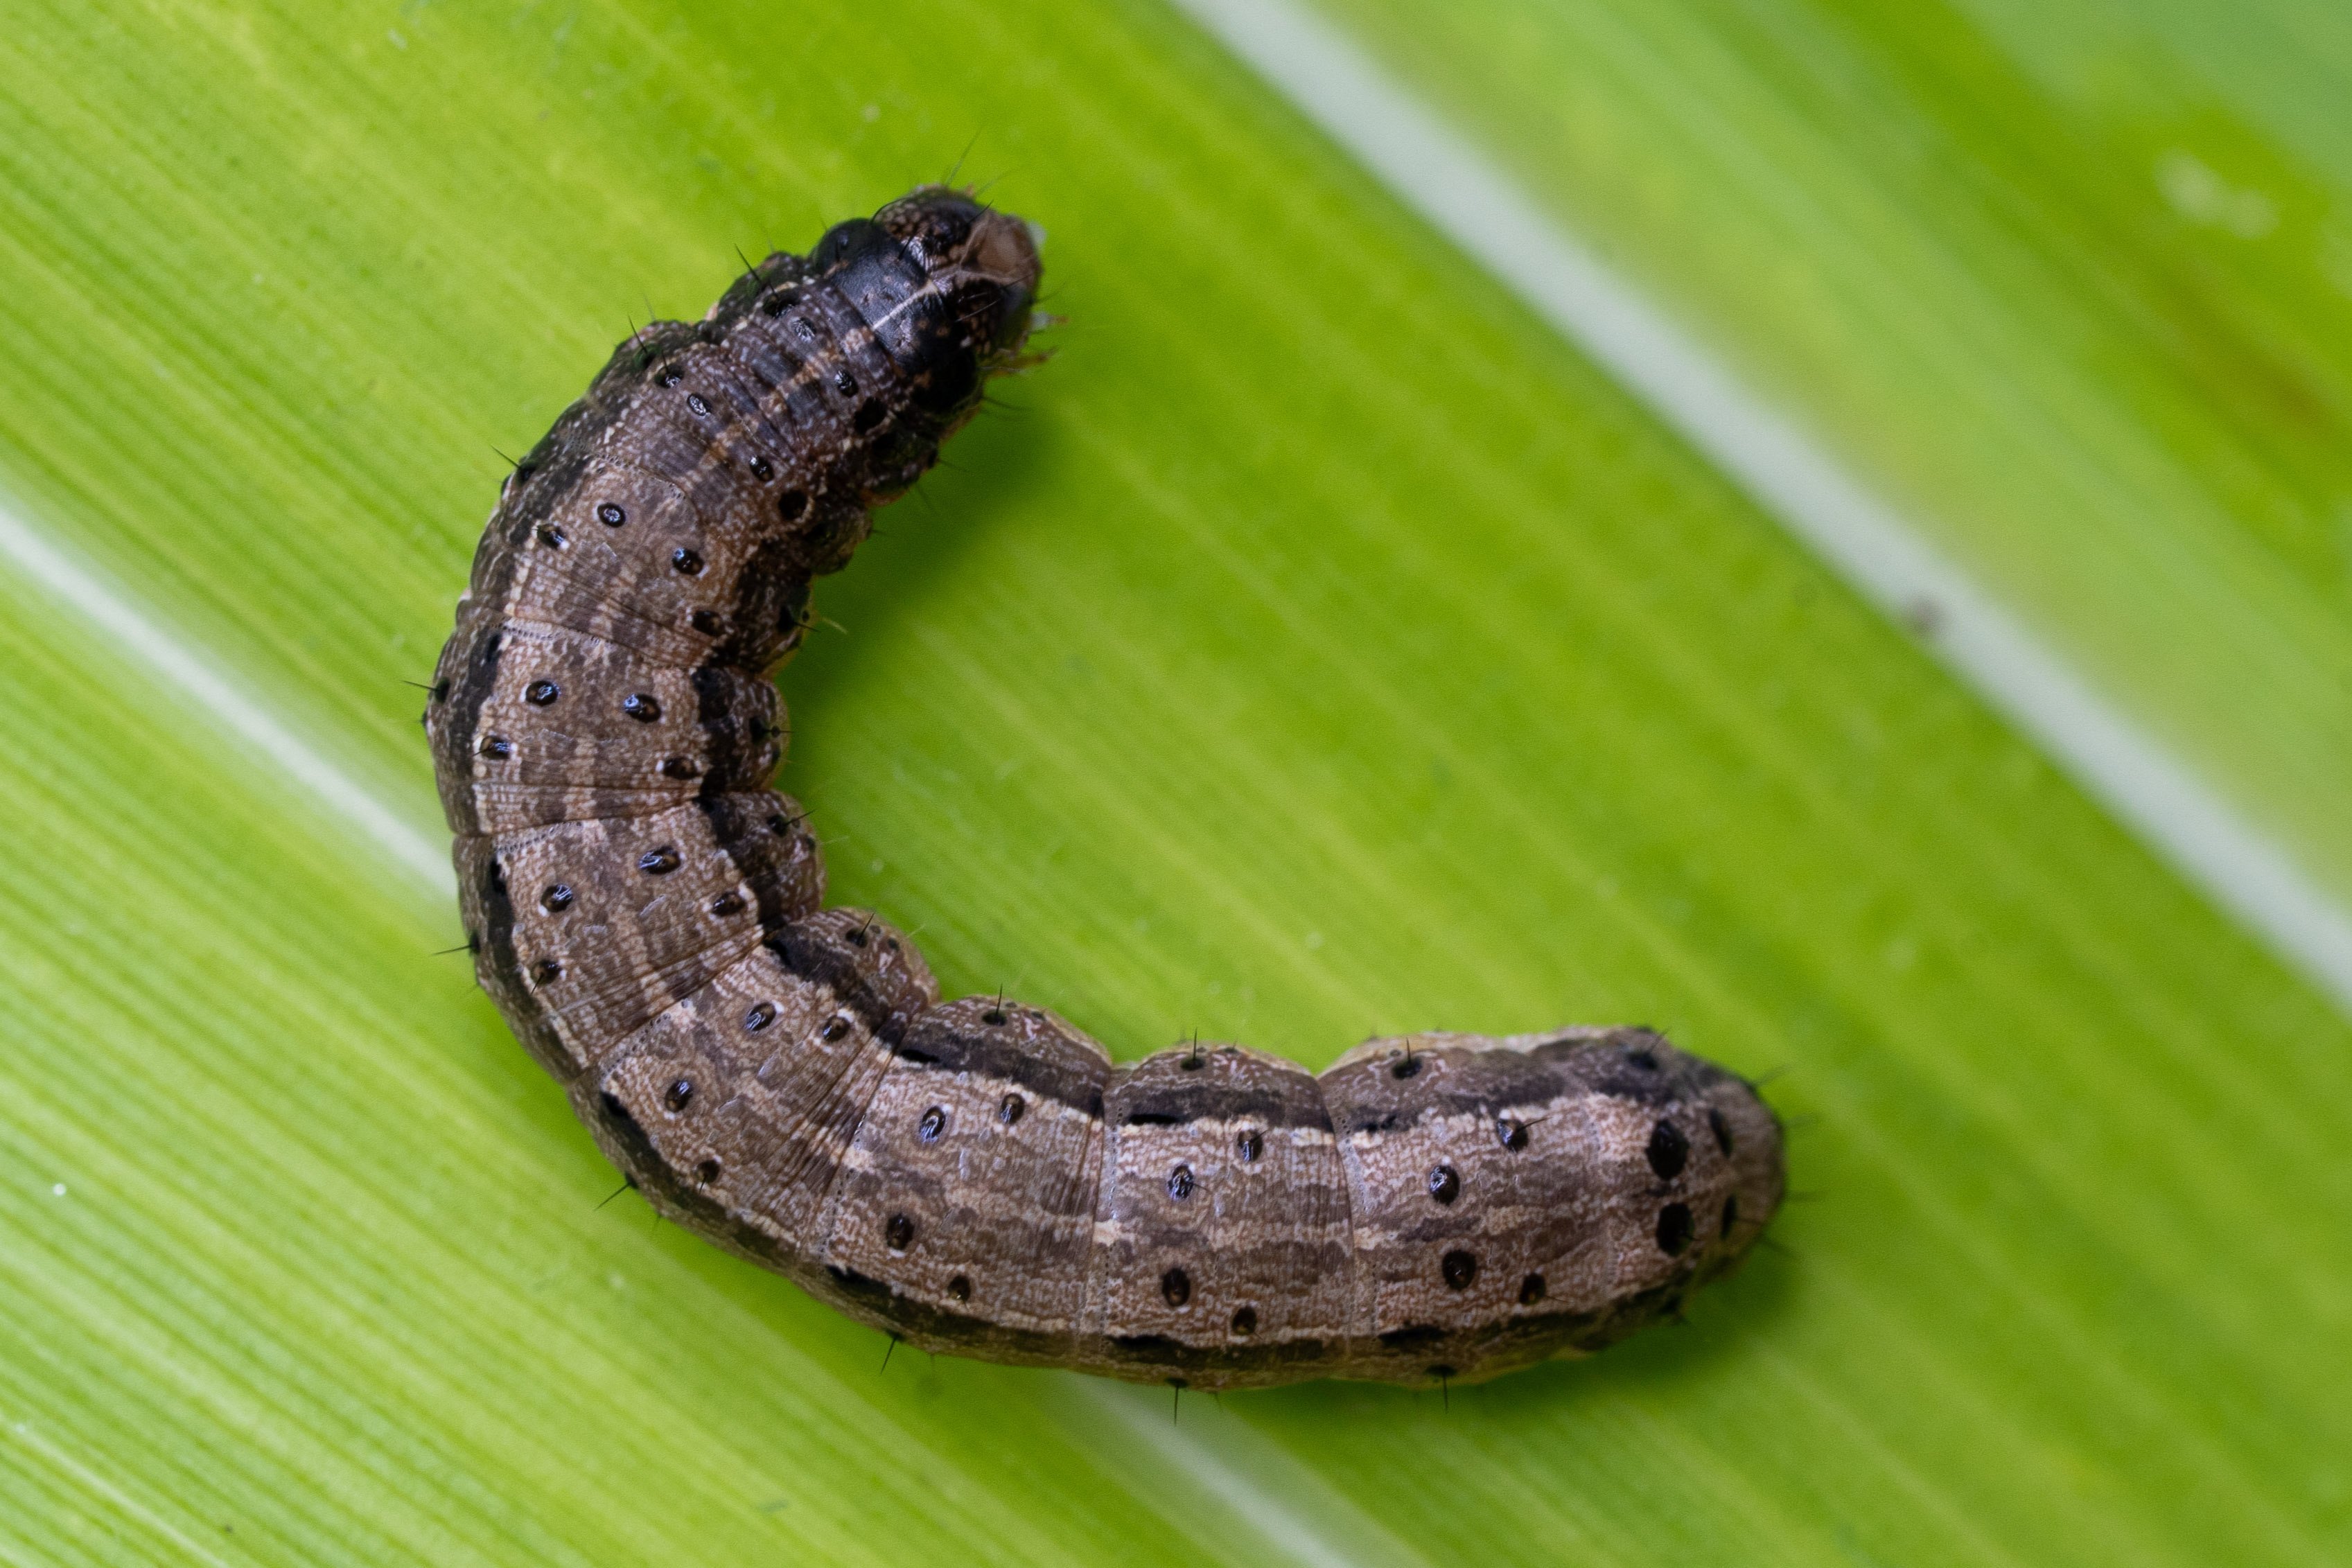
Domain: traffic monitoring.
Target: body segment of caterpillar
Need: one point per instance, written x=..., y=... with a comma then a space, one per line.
x=975, y=1175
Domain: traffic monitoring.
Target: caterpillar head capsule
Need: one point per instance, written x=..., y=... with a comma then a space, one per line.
x=985, y=262
x=946, y=284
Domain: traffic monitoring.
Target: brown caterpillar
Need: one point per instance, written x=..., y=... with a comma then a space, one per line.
x=976, y=1176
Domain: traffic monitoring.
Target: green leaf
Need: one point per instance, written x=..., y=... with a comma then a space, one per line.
x=1316, y=647
x=2071, y=284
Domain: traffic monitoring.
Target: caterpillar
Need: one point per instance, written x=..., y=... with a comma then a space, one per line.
x=974, y=1177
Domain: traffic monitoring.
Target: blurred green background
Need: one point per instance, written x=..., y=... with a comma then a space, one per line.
x=1317, y=647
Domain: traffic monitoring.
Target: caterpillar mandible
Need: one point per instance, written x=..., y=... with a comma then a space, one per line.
x=974, y=1177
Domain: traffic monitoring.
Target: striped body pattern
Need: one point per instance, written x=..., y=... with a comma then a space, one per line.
x=975, y=1175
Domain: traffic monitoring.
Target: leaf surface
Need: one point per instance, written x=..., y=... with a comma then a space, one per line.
x=1315, y=648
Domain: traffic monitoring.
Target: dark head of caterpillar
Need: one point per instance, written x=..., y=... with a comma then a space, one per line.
x=946, y=283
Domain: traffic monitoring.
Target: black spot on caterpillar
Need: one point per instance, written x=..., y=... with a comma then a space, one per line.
x=975, y=1177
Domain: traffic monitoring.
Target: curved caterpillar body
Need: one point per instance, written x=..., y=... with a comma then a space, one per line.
x=976, y=1176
